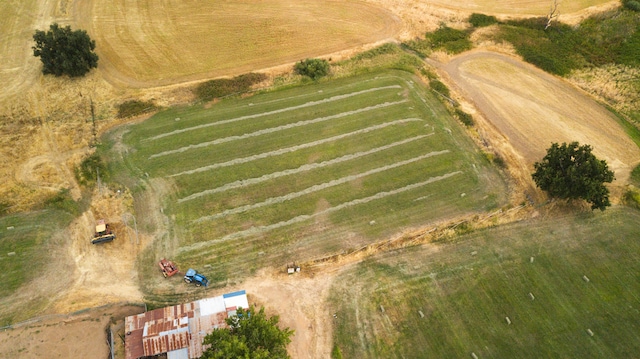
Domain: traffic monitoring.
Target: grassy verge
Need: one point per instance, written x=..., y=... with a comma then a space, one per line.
x=557, y=282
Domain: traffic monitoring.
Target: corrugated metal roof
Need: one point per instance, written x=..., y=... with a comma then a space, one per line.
x=172, y=340
x=200, y=327
x=179, y=327
x=178, y=354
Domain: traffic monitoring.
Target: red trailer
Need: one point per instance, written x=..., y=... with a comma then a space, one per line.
x=167, y=267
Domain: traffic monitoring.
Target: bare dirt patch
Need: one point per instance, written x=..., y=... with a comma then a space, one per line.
x=81, y=335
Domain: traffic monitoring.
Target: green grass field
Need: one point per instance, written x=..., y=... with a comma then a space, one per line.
x=307, y=171
x=467, y=288
x=26, y=247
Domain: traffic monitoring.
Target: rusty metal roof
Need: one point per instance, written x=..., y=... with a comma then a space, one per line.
x=173, y=328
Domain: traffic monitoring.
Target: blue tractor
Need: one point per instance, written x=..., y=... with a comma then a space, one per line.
x=194, y=277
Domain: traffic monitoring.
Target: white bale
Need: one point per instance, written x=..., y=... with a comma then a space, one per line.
x=473, y=355
x=531, y=296
x=586, y=279
x=508, y=320
x=589, y=332
x=421, y=314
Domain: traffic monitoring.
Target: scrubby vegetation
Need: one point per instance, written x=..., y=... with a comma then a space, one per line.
x=608, y=38
x=135, y=107
x=217, y=88
x=482, y=20
x=87, y=172
x=451, y=40
x=313, y=68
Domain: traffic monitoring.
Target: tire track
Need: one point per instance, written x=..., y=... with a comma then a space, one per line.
x=316, y=188
x=304, y=105
x=302, y=218
x=303, y=168
x=293, y=148
x=275, y=129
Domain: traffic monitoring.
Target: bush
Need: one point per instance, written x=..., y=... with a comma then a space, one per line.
x=464, y=117
x=631, y=5
x=451, y=40
x=313, y=68
x=439, y=87
x=135, y=107
x=87, y=172
x=209, y=90
x=481, y=20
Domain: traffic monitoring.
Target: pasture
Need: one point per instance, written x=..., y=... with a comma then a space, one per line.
x=29, y=244
x=298, y=173
x=581, y=278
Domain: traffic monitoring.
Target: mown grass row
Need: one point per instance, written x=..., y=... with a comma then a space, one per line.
x=290, y=174
x=581, y=279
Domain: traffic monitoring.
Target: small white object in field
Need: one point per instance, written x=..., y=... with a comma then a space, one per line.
x=381, y=308
x=421, y=314
x=474, y=253
x=586, y=279
x=531, y=260
x=11, y=253
x=508, y=320
x=590, y=332
x=531, y=296
x=473, y=355
x=177, y=118
x=462, y=194
x=10, y=228
x=371, y=223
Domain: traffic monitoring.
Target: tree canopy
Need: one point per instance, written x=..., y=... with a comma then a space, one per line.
x=65, y=52
x=251, y=335
x=571, y=171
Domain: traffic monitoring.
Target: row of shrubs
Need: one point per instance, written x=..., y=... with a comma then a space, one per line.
x=217, y=88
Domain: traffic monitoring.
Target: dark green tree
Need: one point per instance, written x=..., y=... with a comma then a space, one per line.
x=571, y=171
x=65, y=52
x=314, y=68
x=251, y=335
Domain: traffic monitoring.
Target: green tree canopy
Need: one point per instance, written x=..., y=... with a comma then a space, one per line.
x=251, y=335
x=571, y=171
x=314, y=68
x=65, y=52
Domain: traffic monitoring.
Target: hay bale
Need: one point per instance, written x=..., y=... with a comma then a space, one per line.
x=421, y=314
x=508, y=320
x=531, y=296
x=586, y=279
x=473, y=355
x=589, y=332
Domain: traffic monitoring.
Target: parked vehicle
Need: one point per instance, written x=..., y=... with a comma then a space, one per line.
x=194, y=277
x=103, y=233
x=167, y=267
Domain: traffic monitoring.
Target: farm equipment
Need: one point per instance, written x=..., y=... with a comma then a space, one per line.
x=194, y=277
x=167, y=267
x=103, y=233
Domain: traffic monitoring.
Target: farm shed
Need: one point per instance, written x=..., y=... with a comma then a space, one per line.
x=179, y=330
